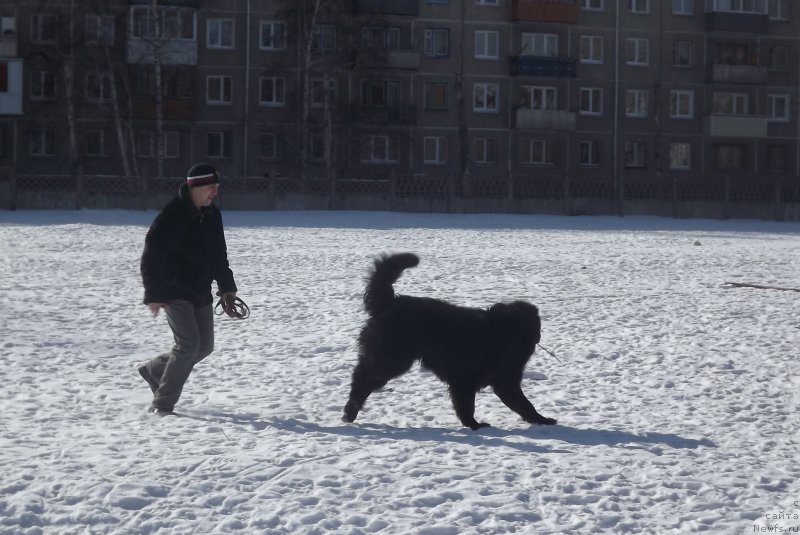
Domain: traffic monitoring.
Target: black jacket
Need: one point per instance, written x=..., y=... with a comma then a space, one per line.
x=183, y=252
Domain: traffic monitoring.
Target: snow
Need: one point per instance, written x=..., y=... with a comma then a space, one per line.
x=677, y=399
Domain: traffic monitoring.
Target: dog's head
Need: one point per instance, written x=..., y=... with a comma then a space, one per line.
x=520, y=323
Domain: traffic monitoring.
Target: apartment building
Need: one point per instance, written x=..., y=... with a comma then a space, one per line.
x=490, y=90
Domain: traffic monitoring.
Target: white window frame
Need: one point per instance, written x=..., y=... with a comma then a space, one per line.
x=98, y=87
x=679, y=100
x=487, y=44
x=639, y=7
x=737, y=102
x=276, y=40
x=275, y=86
x=683, y=7
x=318, y=91
x=173, y=23
x=102, y=145
x=636, y=103
x=224, y=88
x=379, y=149
x=737, y=6
x=779, y=10
x=591, y=49
x=434, y=150
x=681, y=48
x=683, y=151
x=591, y=153
x=42, y=142
x=323, y=38
x=594, y=97
x=531, y=147
x=592, y=5
x=482, y=94
x=637, y=51
x=437, y=42
x=429, y=95
x=216, y=30
x=483, y=148
x=773, y=109
x=538, y=44
x=635, y=154
x=43, y=84
x=225, y=143
x=537, y=97
x=99, y=29
x=42, y=23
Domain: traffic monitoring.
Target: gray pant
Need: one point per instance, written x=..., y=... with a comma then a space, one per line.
x=193, y=330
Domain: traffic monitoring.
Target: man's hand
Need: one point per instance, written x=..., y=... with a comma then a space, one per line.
x=229, y=304
x=155, y=307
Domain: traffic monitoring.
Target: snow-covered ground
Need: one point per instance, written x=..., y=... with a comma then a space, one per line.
x=678, y=400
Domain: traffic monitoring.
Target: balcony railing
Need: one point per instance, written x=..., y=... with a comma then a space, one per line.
x=394, y=59
x=752, y=126
x=565, y=11
x=725, y=21
x=382, y=7
x=738, y=74
x=545, y=120
x=562, y=67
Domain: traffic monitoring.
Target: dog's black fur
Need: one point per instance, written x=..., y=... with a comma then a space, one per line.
x=467, y=348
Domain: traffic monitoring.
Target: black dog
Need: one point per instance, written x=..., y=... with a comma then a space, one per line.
x=467, y=348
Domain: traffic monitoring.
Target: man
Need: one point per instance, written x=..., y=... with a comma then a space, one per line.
x=183, y=252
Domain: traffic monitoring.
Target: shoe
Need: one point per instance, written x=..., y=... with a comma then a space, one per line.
x=160, y=412
x=145, y=373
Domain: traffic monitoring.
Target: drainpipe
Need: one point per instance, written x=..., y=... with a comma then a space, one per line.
x=246, y=92
x=617, y=182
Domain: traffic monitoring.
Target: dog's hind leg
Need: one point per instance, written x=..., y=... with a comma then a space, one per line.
x=464, y=403
x=367, y=378
x=514, y=398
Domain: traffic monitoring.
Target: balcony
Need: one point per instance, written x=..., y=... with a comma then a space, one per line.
x=172, y=52
x=748, y=126
x=564, y=11
x=737, y=74
x=382, y=7
x=561, y=67
x=724, y=21
x=394, y=59
x=8, y=37
x=388, y=116
x=527, y=119
x=11, y=96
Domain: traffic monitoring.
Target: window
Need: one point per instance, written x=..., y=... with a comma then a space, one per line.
x=637, y=52
x=591, y=101
x=590, y=153
x=729, y=157
x=166, y=23
x=485, y=97
x=268, y=146
x=100, y=29
x=42, y=142
x=219, y=33
x=634, y=154
x=380, y=93
x=636, y=103
x=778, y=58
x=273, y=35
x=683, y=7
x=218, y=145
x=539, y=44
x=536, y=152
x=539, y=98
x=146, y=145
x=318, y=92
x=732, y=54
x=639, y=6
x=436, y=95
x=779, y=9
x=778, y=108
x=592, y=5
x=485, y=150
x=94, y=143
x=682, y=53
x=3, y=77
x=272, y=92
x=379, y=149
x=591, y=49
x=486, y=45
x=381, y=38
x=435, y=150
x=729, y=103
x=44, y=28
x=680, y=156
x=777, y=158
x=681, y=104
x=323, y=39
x=737, y=6
x=436, y=43
x=487, y=2
x=219, y=90
x=43, y=85
x=98, y=87
x=172, y=144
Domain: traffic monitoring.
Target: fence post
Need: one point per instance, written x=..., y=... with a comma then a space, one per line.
x=565, y=199
x=12, y=189
x=778, y=212
x=78, y=187
x=726, y=208
x=674, y=197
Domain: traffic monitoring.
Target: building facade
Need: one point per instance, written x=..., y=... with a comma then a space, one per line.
x=477, y=92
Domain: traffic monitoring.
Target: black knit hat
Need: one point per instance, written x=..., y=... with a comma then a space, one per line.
x=201, y=174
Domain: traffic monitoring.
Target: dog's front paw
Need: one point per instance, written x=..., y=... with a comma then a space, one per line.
x=479, y=425
x=350, y=412
x=542, y=420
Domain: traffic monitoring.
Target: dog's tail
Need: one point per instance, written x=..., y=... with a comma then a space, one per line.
x=379, y=293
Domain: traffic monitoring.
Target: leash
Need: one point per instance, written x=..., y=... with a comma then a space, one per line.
x=239, y=310
x=549, y=352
